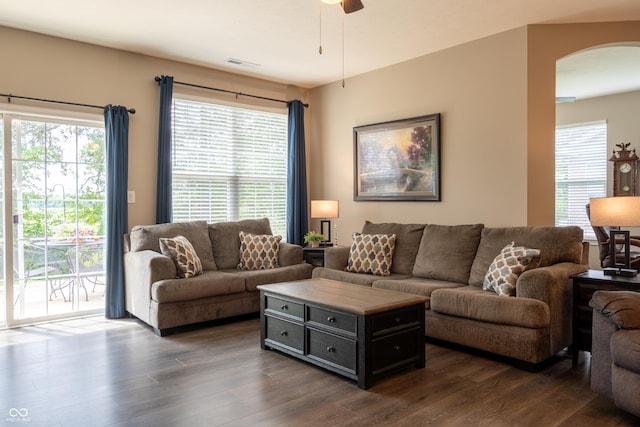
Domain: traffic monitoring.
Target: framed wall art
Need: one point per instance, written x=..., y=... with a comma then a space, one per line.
x=398, y=160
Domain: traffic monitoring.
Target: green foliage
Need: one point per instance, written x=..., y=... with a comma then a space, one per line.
x=59, y=176
x=312, y=236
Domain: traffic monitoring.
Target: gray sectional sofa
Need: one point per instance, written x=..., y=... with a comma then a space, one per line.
x=448, y=264
x=155, y=294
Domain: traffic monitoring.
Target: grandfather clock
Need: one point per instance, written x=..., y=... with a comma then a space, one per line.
x=625, y=171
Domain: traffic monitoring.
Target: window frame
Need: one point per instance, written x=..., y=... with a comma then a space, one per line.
x=586, y=175
x=278, y=221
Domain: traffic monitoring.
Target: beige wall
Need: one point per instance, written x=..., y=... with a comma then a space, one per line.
x=547, y=44
x=496, y=96
x=497, y=99
x=621, y=111
x=47, y=67
x=480, y=90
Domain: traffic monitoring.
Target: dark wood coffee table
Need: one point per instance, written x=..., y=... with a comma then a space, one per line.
x=360, y=332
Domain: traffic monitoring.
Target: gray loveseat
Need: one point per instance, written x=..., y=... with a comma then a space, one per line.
x=615, y=348
x=156, y=296
x=447, y=264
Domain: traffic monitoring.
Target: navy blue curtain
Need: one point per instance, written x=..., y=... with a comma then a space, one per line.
x=297, y=211
x=116, y=125
x=163, y=185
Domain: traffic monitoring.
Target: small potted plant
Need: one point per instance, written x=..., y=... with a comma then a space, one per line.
x=314, y=239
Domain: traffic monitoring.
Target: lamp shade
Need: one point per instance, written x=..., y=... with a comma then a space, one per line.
x=324, y=209
x=615, y=211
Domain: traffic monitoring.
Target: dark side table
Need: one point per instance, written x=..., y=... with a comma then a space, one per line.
x=314, y=256
x=584, y=286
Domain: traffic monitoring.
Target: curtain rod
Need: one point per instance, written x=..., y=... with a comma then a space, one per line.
x=157, y=79
x=9, y=96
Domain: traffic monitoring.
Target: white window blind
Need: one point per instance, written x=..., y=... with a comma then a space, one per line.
x=229, y=164
x=581, y=172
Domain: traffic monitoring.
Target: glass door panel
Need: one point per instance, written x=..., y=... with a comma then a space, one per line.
x=58, y=218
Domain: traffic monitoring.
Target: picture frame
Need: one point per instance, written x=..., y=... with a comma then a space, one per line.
x=398, y=160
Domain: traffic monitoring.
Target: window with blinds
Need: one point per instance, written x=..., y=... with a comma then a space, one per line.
x=581, y=171
x=229, y=164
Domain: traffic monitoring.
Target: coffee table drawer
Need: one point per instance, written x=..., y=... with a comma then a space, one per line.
x=286, y=333
x=341, y=321
x=398, y=318
x=396, y=349
x=284, y=306
x=333, y=349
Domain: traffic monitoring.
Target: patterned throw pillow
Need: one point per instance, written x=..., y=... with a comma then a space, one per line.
x=258, y=251
x=181, y=251
x=507, y=266
x=371, y=254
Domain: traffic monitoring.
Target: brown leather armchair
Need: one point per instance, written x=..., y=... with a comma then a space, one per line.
x=615, y=365
x=603, y=236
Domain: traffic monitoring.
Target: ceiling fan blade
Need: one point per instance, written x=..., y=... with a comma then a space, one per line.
x=350, y=6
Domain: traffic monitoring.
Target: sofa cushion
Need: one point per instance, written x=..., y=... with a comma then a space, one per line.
x=371, y=254
x=225, y=239
x=254, y=278
x=507, y=266
x=180, y=250
x=556, y=244
x=258, y=251
x=209, y=284
x=622, y=307
x=471, y=302
x=407, y=242
x=422, y=287
x=353, y=278
x=147, y=237
x=447, y=251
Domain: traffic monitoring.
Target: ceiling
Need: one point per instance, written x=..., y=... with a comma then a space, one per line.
x=283, y=36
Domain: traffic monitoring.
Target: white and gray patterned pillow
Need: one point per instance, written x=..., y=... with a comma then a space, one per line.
x=258, y=251
x=371, y=254
x=181, y=251
x=507, y=266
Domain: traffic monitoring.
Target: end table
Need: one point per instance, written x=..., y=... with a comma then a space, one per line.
x=314, y=256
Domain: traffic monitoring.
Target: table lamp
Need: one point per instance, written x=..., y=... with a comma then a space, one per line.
x=622, y=211
x=324, y=209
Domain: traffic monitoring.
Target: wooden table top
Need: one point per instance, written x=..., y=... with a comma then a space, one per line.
x=361, y=300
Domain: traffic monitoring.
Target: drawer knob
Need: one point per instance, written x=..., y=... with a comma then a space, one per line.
x=331, y=319
x=284, y=333
x=397, y=319
x=330, y=349
x=396, y=348
x=284, y=307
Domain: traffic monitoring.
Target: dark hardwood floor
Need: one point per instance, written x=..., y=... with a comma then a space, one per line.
x=94, y=372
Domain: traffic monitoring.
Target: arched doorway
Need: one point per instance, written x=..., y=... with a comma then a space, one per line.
x=597, y=103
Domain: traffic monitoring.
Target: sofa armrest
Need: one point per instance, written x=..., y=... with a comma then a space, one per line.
x=289, y=254
x=552, y=285
x=622, y=307
x=141, y=270
x=336, y=257
x=546, y=283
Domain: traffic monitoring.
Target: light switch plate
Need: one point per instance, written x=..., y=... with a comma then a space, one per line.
x=131, y=196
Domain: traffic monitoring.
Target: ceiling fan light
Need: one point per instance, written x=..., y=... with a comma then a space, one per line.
x=331, y=1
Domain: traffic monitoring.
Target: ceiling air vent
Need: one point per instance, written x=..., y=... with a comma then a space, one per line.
x=242, y=63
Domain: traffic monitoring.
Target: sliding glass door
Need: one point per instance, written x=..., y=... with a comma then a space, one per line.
x=55, y=217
